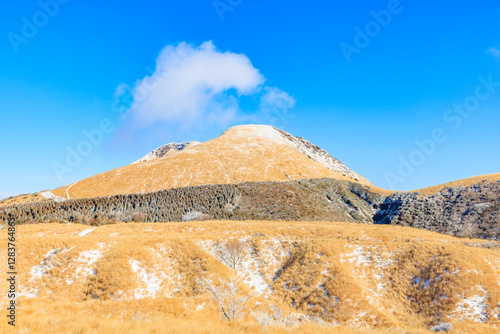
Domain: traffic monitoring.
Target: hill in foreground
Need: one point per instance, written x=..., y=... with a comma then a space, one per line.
x=305, y=277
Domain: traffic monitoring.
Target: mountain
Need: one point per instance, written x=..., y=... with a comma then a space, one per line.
x=242, y=153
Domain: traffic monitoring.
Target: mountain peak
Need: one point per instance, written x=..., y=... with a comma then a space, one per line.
x=256, y=130
x=242, y=153
x=304, y=146
x=249, y=132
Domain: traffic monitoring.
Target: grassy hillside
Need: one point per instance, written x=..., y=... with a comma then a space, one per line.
x=305, y=277
x=23, y=199
x=241, y=154
x=464, y=182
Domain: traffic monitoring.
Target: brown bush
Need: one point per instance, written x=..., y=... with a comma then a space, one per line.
x=422, y=279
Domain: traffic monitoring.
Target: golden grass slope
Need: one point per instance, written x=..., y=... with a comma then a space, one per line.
x=22, y=199
x=463, y=182
x=242, y=153
x=326, y=277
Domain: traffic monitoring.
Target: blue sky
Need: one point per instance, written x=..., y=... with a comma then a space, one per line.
x=367, y=109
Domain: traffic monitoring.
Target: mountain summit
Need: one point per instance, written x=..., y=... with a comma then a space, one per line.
x=242, y=153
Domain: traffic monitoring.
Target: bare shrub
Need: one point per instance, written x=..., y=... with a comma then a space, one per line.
x=119, y=216
x=95, y=222
x=205, y=217
x=275, y=317
x=468, y=229
x=227, y=295
x=232, y=253
x=139, y=217
x=125, y=217
x=235, y=253
x=196, y=215
x=193, y=215
x=102, y=220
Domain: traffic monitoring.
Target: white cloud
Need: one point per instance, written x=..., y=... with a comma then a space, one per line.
x=193, y=84
x=495, y=52
x=274, y=100
x=275, y=105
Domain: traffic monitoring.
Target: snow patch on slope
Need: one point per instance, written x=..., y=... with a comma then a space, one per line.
x=83, y=266
x=248, y=268
x=257, y=269
x=151, y=281
x=48, y=262
x=158, y=276
x=370, y=264
x=85, y=262
x=50, y=195
x=473, y=308
x=85, y=232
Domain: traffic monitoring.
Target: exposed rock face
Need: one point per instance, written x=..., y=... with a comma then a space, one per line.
x=164, y=150
x=464, y=211
x=319, y=155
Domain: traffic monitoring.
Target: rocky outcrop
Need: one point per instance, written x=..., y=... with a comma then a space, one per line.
x=319, y=155
x=164, y=150
x=469, y=211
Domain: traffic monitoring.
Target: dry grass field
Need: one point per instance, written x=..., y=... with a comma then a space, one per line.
x=302, y=277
